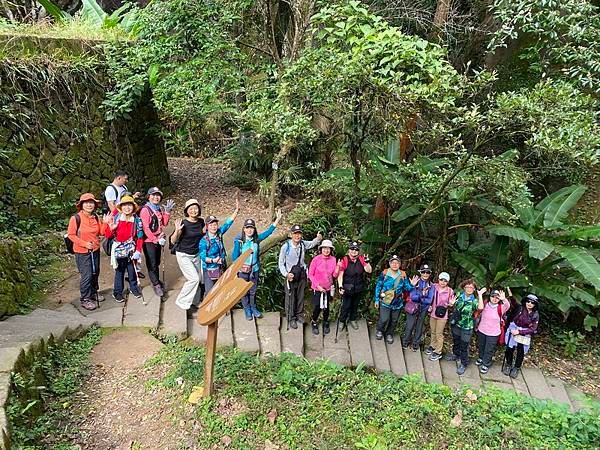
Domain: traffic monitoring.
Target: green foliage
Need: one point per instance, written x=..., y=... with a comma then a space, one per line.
x=37, y=415
x=333, y=407
x=571, y=341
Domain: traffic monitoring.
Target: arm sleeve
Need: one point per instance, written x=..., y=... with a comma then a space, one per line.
x=429, y=297
x=312, y=269
x=282, y=268
x=415, y=293
x=72, y=233
x=407, y=286
x=108, y=233
x=336, y=270
x=379, y=287
x=165, y=218
x=265, y=234
x=311, y=244
x=226, y=226
x=505, y=306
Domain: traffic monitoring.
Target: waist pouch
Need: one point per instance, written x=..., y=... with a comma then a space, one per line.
x=215, y=273
x=440, y=311
x=411, y=307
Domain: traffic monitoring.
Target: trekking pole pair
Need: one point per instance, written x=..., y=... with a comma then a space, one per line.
x=137, y=280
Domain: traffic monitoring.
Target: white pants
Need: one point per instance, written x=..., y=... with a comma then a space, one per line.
x=191, y=270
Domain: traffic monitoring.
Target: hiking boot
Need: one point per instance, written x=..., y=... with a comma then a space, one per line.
x=451, y=357
x=158, y=290
x=483, y=369
x=293, y=324
x=119, y=298
x=248, y=313
x=506, y=370
x=136, y=294
x=429, y=350
x=379, y=335
x=354, y=324
x=461, y=369
x=325, y=327
x=315, y=328
x=88, y=304
x=514, y=372
x=435, y=356
x=256, y=313
x=479, y=362
x=389, y=339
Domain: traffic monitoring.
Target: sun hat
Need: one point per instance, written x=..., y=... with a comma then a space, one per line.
x=125, y=200
x=444, y=276
x=86, y=198
x=154, y=190
x=190, y=202
x=250, y=223
x=326, y=243
x=211, y=219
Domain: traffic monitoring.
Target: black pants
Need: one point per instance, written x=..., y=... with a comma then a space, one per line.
x=486, y=346
x=349, y=306
x=520, y=355
x=294, y=298
x=414, y=322
x=316, y=302
x=88, y=265
x=152, y=254
x=460, y=347
x=388, y=318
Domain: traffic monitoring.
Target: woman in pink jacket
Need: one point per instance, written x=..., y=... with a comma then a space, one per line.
x=321, y=273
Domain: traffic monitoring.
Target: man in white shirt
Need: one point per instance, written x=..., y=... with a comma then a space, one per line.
x=115, y=190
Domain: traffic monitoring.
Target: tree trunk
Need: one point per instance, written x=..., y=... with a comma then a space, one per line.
x=440, y=18
x=283, y=152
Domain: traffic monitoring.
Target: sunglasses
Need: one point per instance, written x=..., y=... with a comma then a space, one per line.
x=530, y=301
x=426, y=271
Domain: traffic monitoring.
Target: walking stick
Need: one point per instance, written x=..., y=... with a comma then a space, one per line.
x=337, y=325
x=163, y=255
x=137, y=280
x=288, y=306
x=91, y=253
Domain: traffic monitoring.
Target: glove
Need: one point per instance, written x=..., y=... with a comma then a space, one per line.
x=136, y=256
x=169, y=205
x=162, y=241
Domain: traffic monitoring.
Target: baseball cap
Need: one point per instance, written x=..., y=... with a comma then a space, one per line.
x=249, y=223
x=211, y=219
x=394, y=257
x=495, y=293
x=296, y=229
x=444, y=276
x=155, y=190
x=424, y=268
x=354, y=245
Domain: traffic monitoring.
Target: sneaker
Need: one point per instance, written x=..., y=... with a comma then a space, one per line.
x=88, y=304
x=429, y=350
x=451, y=357
x=514, y=372
x=379, y=335
x=158, y=290
x=405, y=346
x=461, y=369
x=256, y=313
x=435, y=356
x=389, y=339
x=248, y=313
x=479, y=362
x=354, y=324
x=136, y=294
x=293, y=324
x=506, y=370
x=415, y=348
x=325, y=327
x=483, y=369
x=315, y=328
x=119, y=298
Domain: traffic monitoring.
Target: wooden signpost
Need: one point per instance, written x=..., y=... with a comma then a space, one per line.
x=226, y=292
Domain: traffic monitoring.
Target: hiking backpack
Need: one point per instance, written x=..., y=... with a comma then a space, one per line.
x=105, y=207
x=68, y=242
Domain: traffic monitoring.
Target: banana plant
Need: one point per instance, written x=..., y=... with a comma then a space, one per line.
x=92, y=13
x=544, y=254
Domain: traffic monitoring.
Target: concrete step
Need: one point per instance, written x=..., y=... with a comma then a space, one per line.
x=558, y=391
x=313, y=344
x=520, y=385
x=577, y=398
x=414, y=363
x=449, y=375
x=292, y=340
x=379, y=351
x=174, y=319
x=536, y=383
x=139, y=315
x=396, y=357
x=471, y=376
x=268, y=334
x=244, y=332
x=360, y=345
x=432, y=369
x=337, y=352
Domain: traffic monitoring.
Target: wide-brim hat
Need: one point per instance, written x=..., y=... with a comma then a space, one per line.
x=444, y=276
x=191, y=202
x=125, y=200
x=87, y=197
x=531, y=297
x=327, y=243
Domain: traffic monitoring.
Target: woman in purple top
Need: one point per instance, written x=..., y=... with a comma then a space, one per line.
x=490, y=327
x=518, y=336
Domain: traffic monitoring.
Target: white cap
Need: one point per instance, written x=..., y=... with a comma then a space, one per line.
x=326, y=243
x=444, y=276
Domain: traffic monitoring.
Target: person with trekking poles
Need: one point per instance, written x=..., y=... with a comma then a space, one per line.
x=518, y=336
x=293, y=269
x=185, y=242
x=213, y=256
x=250, y=238
x=391, y=285
x=84, y=232
x=438, y=315
x=351, y=270
x=154, y=220
x=462, y=322
x=490, y=328
x=416, y=309
x=125, y=235
x=322, y=273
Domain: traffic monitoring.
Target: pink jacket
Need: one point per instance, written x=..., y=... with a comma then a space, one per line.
x=163, y=221
x=490, y=319
x=322, y=271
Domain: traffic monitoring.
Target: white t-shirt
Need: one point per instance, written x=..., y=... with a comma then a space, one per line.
x=109, y=193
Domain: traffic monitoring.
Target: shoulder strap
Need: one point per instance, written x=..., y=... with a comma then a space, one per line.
x=78, y=222
x=300, y=254
x=116, y=191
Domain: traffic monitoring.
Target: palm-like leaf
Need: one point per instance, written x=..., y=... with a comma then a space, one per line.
x=557, y=210
x=517, y=280
x=52, y=9
x=511, y=232
x=498, y=256
x=586, y=232
x=540, y=249
x=405, y=212
x=93, y=13
x=582, y=262
x=471, y=265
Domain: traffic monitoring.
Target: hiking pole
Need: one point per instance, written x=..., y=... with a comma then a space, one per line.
x=137, y=280
x=91, y=253
x=288, y=306
x=337, y=325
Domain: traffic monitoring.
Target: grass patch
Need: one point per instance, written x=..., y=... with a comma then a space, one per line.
x=71, y=29
x=320, y=405
x=39, y=404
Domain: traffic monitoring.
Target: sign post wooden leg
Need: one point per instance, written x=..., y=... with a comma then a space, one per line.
x=211, y=346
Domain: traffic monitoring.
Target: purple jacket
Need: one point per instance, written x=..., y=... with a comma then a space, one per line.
x=527, y=322
x=417, y=295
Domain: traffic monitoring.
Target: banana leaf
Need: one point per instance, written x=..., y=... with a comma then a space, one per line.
x=582, y=262
x=540, y=249
x=92, y=12
x=508, y=231
x=405, y=212
x=558, y=209
x=472, y=266
x=58, y=14
x=498, y=256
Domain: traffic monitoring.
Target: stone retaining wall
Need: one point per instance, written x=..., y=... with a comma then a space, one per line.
x=15, y=282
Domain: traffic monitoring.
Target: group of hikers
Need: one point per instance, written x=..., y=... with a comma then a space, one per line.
x=130, y=231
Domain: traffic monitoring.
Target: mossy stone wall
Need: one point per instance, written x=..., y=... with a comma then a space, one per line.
x=15, y=282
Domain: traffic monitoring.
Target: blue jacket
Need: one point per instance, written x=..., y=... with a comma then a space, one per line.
x=385, y=282
x=212, y=246
x=240, y=245
x=416, y=293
